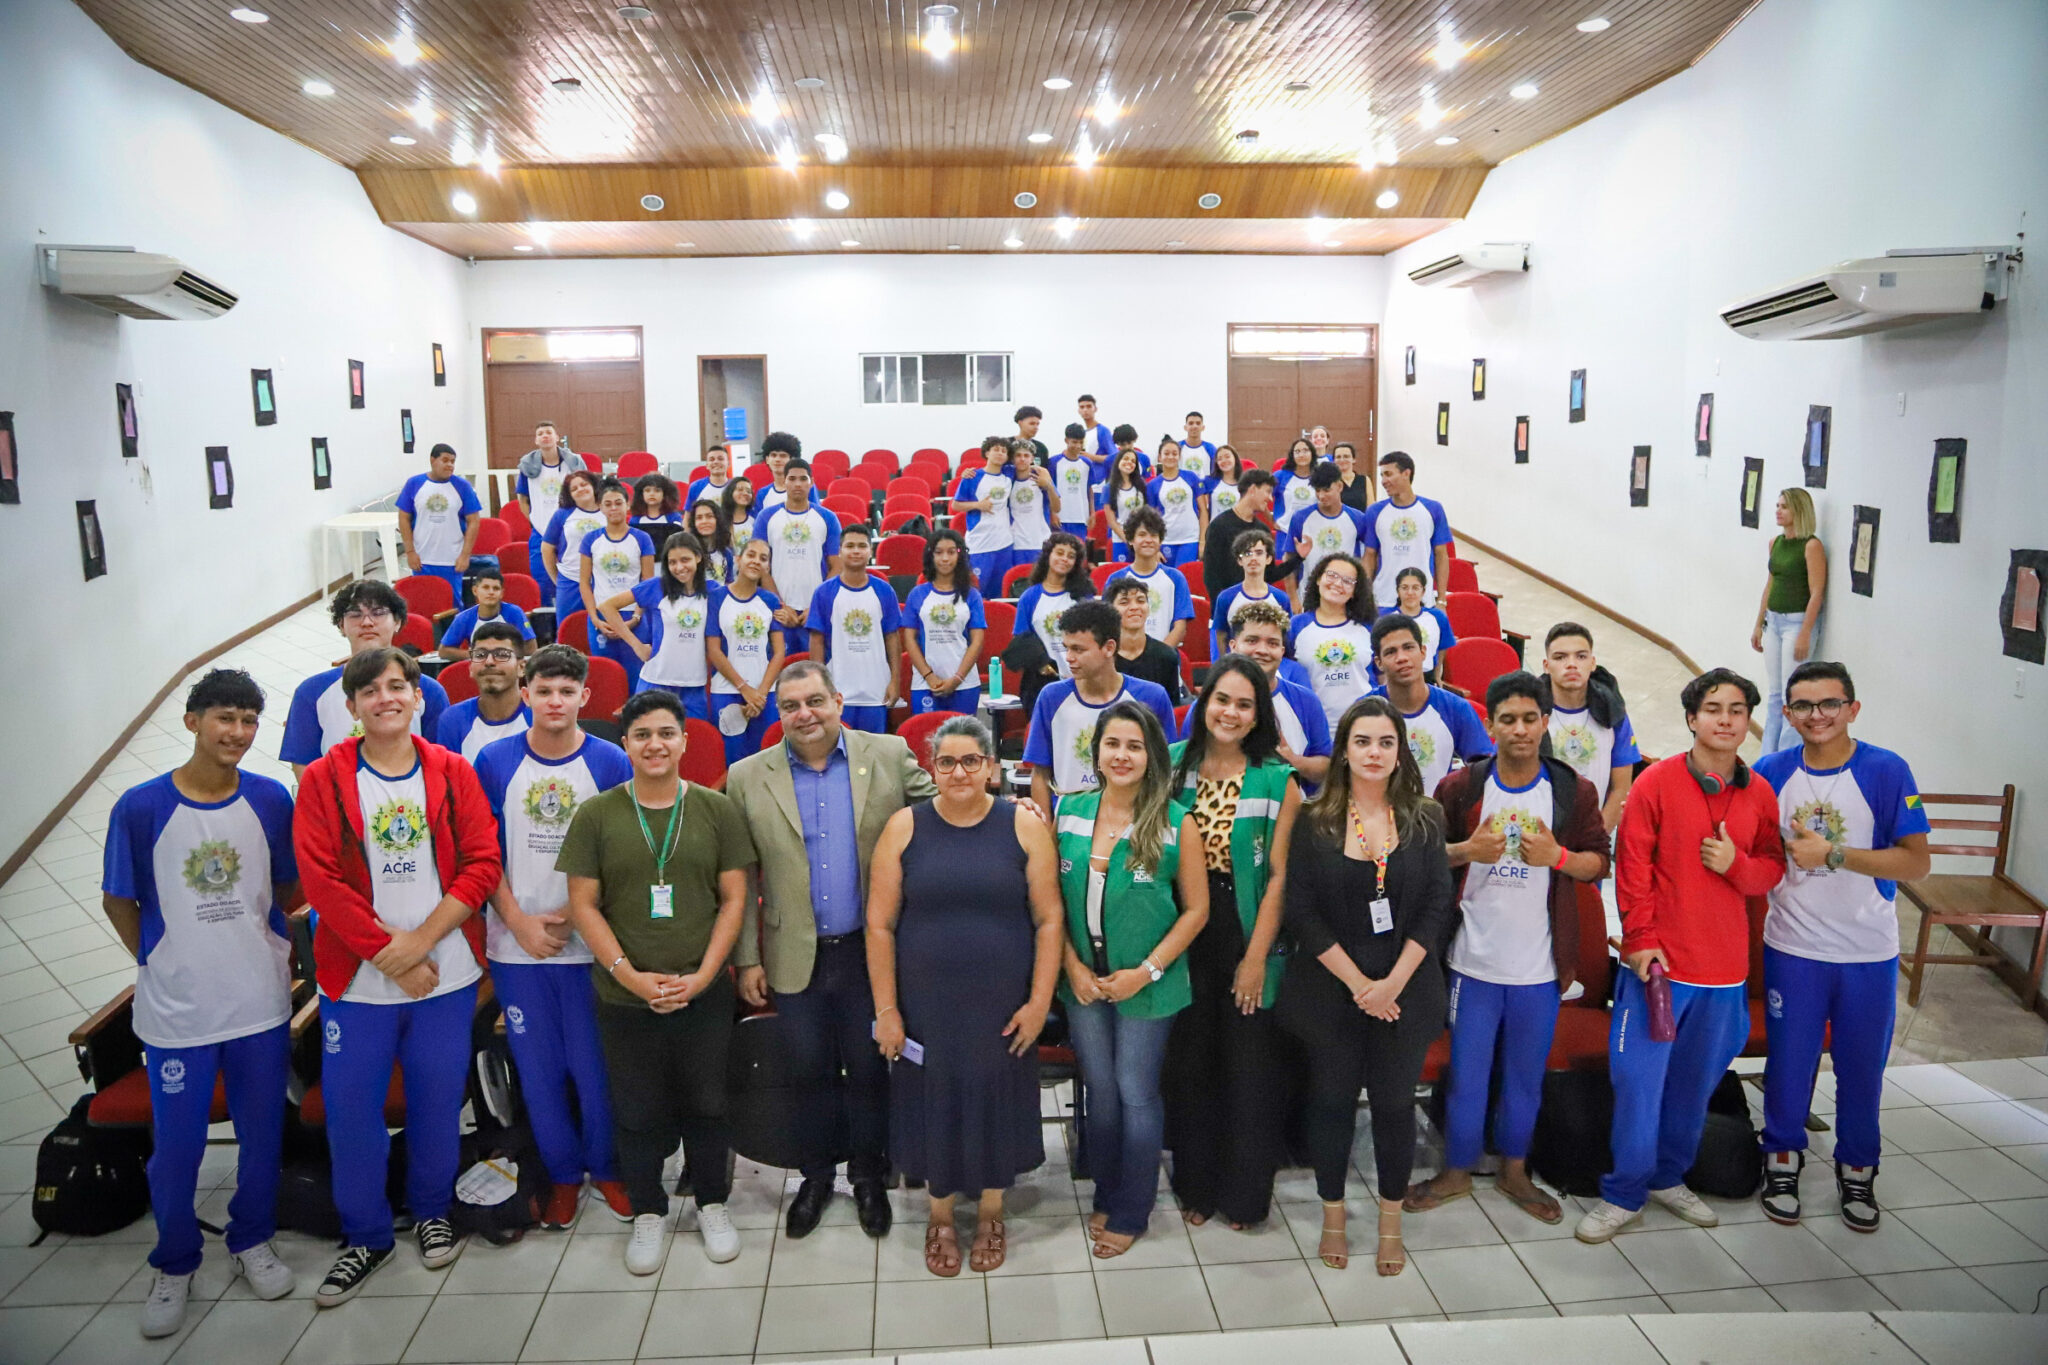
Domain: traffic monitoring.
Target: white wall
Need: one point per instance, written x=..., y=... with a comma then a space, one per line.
x=100, y=150
x=1144, y=334
x=1819, y=130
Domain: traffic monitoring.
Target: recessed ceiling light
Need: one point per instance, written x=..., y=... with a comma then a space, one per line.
x=522, y=247
x=1025, y=200
x=249, y=16
x=1447, y=141
x=1210, y=201
x=423, y=111
x=1039, y=137
x=1448, y=51
x=653, y=203
x=785, y=156
x=402, y=140
x=1430, y=115
x=810, y=82
x=568, y=85
x=1237, y=16
x=463, y=201
x=1593, y=26
x=1387, y=199
x=1248, y=137
x=938, y=37
x=319, y=88
x=834, y=146
x=1524, y=91
x=1084, y=152
x=1333, y=242
x=684, y=246
x=836, y=200
x=1107, y=110
x=403, y=49
x=764, y=107
x=850, y=241
x=1058, y=83
x=635, y=12
x=488, y=160
x=802, y=227
x=1013, y=241
x=1296, y=87
x=1176, y=243
x=1065, y=226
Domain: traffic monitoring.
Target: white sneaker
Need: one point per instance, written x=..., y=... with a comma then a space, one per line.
x=1603, y=1220
x=1688, y=1206
x=163, y=1312
x=647, y=1248
x=269, y=1277
x=721, y=1238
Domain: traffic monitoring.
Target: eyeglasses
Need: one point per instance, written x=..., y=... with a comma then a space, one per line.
x=492, y=656
x=966, y=763
x=362, y=614
x=1827, y=706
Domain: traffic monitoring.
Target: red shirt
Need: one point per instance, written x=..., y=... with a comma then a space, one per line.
x=1667, y=896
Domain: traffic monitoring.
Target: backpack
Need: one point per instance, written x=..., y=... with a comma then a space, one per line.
x=776, y=1111
x=1569, y=1149
x=305, y=1185
x=1730, y=1162
x=502, y=1137
x=90, y=1181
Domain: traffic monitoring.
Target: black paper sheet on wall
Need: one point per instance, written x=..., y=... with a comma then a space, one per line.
x=264, y=395
x=220, y=478
x=2021, y=610
x=92, y=541
x=1479, y=380
x=1639, y=477
x=440, y=367
x=1408, y=366
x=1945, y=492
x=124, y=414
x=1863, y=552
x=405, y=428
x=355, y=383
x=1703, y=426
x=1443, y=424
x=1521, y=440
x=323, y=472
x=1752, y=492
x=10, y=461
x=1578, y=396
x=1813, y=455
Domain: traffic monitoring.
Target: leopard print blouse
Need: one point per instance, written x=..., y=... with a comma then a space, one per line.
x=1215, y=812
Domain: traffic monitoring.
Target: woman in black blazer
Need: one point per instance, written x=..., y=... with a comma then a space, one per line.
x=1368, y=904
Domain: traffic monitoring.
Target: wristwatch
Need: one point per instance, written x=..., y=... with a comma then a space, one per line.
x=1837, y=855
x=1158, y=973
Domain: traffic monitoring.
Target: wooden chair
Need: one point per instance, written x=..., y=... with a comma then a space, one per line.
x=1974, y=902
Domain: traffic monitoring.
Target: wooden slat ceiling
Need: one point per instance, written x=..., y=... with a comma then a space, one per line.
x=1162, y=85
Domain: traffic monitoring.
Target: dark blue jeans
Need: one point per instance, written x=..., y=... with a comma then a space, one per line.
x=832, y=1021
x=1125, y=1124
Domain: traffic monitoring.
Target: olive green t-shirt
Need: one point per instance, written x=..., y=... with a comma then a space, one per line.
x=605, y=842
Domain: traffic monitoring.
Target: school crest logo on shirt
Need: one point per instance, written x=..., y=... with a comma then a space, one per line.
x=1575, y=743
x=398, y=826
x=1330, y=538
x=1026, y=496
x=550, y=801
x=859, y=623
x=1404, y=530
x=1820, y=817
x=1155, y=601
x=689, y=616
x=945, y=614
x=213, y=868
x=1176, y=496
x=436, y=503
x=1422, y=744
x=1084, y=749
x=999, y=494
x=1223, y=499
x=1335, y=653
x=796, y=533
x=1510, y=823
x=750, y=626
x=615, y=563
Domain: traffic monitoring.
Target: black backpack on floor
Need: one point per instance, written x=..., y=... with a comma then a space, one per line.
x=1569, y=1150
x=502, y=1136
x=90, y=1180
x=1730, y=1163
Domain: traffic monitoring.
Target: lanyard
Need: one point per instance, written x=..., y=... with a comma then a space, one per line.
x=1379, y=859
x=668, y=846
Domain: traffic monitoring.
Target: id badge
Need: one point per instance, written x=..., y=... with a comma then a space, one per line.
x=1382, y=916
x=661, y=901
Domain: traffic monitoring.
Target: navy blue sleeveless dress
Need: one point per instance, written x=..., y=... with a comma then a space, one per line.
x=967, y=1119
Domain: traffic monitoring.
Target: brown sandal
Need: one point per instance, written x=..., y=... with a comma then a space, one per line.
x=989, y=1247
x=1424, y=1196
x=1540, y=1206
x=1096, y=1223
x=942, y=1250
x=1109, y=1245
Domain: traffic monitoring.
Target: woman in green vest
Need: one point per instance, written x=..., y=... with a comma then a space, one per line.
x=1225, y=1089
x=1788, y=619
x=1120, y=868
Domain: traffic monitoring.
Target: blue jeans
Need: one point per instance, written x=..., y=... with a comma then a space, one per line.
x=1661, y=1089
x=1781, y=632
x=255, y=1067
x=1803, y=997
x=1125, y=1123
x=1517, y=1023
x=551, y=1027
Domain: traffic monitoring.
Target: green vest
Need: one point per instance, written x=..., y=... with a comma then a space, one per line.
x=1137, y=910
x=1251, y=849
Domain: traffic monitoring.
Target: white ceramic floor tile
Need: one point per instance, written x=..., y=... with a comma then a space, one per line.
x=1682, y=1261
x=376, y=1337
x=35, y=1335
x=1025, y=1308
x=1936, y=1084
x=525, y=1267
x=1252, y=1294
x=1741, y=1338
x=1905, y=1182
x=1527, y=1341
x=1216, y=1244
x=840, y=1254
x=1852, y=1295
x=818, y=1317
x=588, y=1326
x=463, y=1328
x=1460, y=1223
x=1600, y=1308
x=594, y=1264
x=2000, y=1123
x=1359, y=1294
x=689, y=1268
x=1940, y=1291
x=115, y=1334
x=703, y=1322
x=1969, y=1235
x=1949, y=1339
x=1770, y=1254
x=1297, y=1346
x=1893, y=1248
x=1751, y=1300
x=85, y=1271
x=2010, y=1078
x=1919, y=1131
x=1469, y=1279
x=1568, y=1271
x=931, y=1313
x=1153, y=1302
x=1985, y=1173
x=2020, y=1284
x=251, y=1333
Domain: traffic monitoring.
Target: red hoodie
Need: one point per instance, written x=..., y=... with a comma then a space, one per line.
x=1667, y=896
x=327, y=835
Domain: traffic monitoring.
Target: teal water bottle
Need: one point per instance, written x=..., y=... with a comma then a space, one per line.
x=995, y=678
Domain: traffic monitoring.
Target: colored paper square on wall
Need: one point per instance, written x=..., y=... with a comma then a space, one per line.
x=440, y=367
x=405, y=428
x=1639, y=477
x=1863, y=552
x=130, y=424
x=220, y=478
x=1521, y=440
x=1443, y=424
x=355, y=383
x=10, y=461
x=323, y=472
x=1703, y=426
x=92, y=540
x=1578, y=396
x=1408, y=366
x=1478, y=381
x=1945, y=492
x=1813, y=453
x=264, y=396
x=1752, y=492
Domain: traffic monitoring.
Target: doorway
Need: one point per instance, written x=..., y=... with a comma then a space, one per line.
x=1287, y=377
x=588, y=381
x=732, y=402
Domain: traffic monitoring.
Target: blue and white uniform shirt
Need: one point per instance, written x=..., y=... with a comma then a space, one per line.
x=1870, y=802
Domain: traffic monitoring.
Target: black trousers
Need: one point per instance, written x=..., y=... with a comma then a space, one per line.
x=832, y=1021
x=668, y=1075
x=1386, y=1059
x=1226, y=1079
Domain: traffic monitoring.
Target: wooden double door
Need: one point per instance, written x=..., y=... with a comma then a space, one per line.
x=1274, y=399
x=599, y=406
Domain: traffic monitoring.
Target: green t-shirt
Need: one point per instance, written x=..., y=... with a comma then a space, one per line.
x=605, y=842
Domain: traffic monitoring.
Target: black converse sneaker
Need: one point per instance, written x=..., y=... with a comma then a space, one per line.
x=1857, y=1186
x=439, y=1245
x=1780, y=1196
x=351, y=1269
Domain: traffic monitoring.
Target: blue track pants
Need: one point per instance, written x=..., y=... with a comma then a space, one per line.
x=181, y=1081
x=1516, y=1023
x=1661, y=1089
x=1803, y=999
x=551, y=1024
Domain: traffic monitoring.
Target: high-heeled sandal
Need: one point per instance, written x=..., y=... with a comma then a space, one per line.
x=1399, y=1261
x=1340, y=1258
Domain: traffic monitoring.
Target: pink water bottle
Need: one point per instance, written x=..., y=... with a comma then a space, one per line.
x=1663, y=1028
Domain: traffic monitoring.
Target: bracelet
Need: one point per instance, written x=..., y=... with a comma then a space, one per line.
x=613, y=970
x=887, y=1009
x=1563, y=854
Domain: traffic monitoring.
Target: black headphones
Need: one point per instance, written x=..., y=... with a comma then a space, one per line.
x=1711, y=783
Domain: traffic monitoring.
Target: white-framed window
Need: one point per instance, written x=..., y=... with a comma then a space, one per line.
x=936, y=379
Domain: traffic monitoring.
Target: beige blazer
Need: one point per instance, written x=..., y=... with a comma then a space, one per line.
x=780, y=931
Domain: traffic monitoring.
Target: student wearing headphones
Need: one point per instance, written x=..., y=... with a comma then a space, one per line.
x=1700, y=836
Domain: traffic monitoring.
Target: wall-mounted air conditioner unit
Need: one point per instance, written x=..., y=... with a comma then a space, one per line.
x=132, y=283
x=1488, y=258
x=1892, y=290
